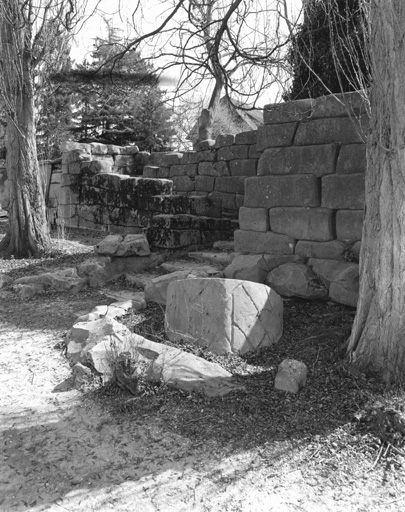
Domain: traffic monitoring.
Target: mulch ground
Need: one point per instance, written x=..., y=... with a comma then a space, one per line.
x=338, y=443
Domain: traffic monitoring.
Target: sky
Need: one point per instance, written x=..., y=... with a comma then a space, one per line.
x=121, y=14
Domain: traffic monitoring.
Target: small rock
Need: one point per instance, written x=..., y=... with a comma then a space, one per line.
x=291, y=376
x=224, y=245
x=5, y=280
x=117, y=245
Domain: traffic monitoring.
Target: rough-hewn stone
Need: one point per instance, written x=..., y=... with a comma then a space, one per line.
x=273, y=135
x=328, y=270
x=60, y=280
x=117, y=245
x=278, y=113
x=349, y=225
x=254, y=219
x=338, y=130
x=343, y=191
x=318, y=160
x=291, y=376
x=183, y=170
x=333, y=250
x=226, y=139
x=183, y=184
x=256, y=267
x=315, y=224
x=271, y=191
x=249, y=137
x=204, y=183
x=233, y=153
x=263, y=243
x=223, y=315
x=230, y=184
x=296, y=280
x=345, y=286
x=352, y=159
x=243, y=167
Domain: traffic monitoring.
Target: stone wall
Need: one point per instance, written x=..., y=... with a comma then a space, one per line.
x=308, y=196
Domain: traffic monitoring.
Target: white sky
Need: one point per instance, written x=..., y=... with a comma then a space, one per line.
x=121, y=14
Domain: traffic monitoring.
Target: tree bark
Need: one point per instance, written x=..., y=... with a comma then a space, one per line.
x=377, y=340
x=28, y=234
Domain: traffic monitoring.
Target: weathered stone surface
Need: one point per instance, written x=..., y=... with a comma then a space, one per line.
x=275, y=135
x=230, y=184
x=205, y=145
x=220, y=259
x=333, y=250
x=343, y=191
x=349, y=225
x=228, y=200
x=60, y=280
x=190, y=266
x=76, y=155
x=124, y=246
x=339, y=105
x=226, y=139
x=271, y=191
x=257, y=242
x=192, y=205
x=318, y=160
x=291, y=376
x=243, y=167
x=254, y=219
x=27, y=291
x=204, y=183
x=355, y=248
x=345, y=286
x=328, y=270
x=224, y=245
x=249, y=137
x=156, y=288
x=101, y=269
x=297, y=110
x=173, y=238
x=151, y=171
x=183, y=170
x=69, y=145
x=116, y=309
x=5, y=280
x=352, y=159
x=233, y=153
x=223, y=315
x=315, y=224
x=336, y=130
x=151, y=187
x=296, y=280
x=256, y=267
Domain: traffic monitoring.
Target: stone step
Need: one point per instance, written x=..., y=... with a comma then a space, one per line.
x=182, y=221
x=187, y=205
x=220, y=259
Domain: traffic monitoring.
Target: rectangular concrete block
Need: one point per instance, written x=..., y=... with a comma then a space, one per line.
x=343, y=191
x=249, y=137
x=352, y=159
x=271, y=191
x=254, y=219
x=349, y=225
x=204, y=183
x=255, y=242
x=275, y=135
x=230, y=184
x=297, y=110
x=338, y=130
x=303, y=223
x=233, y=153
x=317, y=160
x=183, y=170
x=245, y=167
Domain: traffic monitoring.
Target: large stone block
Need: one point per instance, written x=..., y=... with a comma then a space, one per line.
x=192, y=205
x=183, y=184
x=278, y=113
x=343, y=191
x=271, y=191
x=224, y=315
x=254, y=219
x=233, y=153
x=343, y=130
x=173, y=238
x=151, y=187
x=225, y=139
x=328, y=270
x=339, y=105
x=230, y=184
x=243, y=167
x=204, y=183
x=345, y=287
x=249, y=137
x=255, y=242
x=352, y=159
x=256, y=267
x=296, y=280
x=303, y=223
x=228, y=199
x=349, y=225
x=183, y=170
x=275, y=135
x=333, y=250
x=318, y=160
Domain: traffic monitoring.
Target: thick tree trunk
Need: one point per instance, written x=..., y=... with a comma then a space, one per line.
x=28, y=233
x=378, y=336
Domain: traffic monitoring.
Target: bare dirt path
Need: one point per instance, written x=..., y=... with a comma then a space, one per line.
x=63, y=452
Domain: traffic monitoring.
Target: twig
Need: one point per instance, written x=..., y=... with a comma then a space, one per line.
x=377, y=458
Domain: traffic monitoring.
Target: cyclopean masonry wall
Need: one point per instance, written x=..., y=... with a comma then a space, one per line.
x=305, y=206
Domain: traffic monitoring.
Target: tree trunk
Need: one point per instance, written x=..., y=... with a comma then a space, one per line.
x=378, y=337
x=28, y=233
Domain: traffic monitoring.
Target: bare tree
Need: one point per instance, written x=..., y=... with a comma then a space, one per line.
x=378, y=335
x=237, y=48
x=28, y=31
